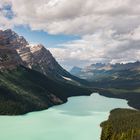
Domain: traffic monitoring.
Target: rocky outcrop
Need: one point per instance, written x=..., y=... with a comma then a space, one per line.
x=10, y=39
x=9, y=59
x=44, y=62
x=26, y=56
x=9, y=42
x=36, y=57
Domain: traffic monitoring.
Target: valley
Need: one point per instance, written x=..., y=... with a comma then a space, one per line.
x=69, y=70
x=32, y=80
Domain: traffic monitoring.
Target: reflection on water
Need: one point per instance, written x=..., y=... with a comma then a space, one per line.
x=78, y=119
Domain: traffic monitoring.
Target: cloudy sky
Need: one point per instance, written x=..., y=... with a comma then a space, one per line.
x=78, y=32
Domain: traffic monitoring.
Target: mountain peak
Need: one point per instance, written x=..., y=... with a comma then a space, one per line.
x=10, y=31
x=11, y=39
x=38, y=47
x=35, y=57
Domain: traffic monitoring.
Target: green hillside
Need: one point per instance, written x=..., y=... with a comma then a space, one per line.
x=23, y=90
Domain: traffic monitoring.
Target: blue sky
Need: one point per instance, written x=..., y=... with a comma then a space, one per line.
x=42, y=37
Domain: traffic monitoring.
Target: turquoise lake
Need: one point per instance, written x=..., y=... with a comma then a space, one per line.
x=78, y=119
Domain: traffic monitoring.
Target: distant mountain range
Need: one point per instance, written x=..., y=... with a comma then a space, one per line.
x=30, y=77
x=100, y=71
x=114, y=80
x=111, y=75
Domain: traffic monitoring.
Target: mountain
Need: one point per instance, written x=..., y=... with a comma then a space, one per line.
x=37, y=57
x=115, y=80
x=12, y=40
x=23, y=90
x=30, y=77
x=9, y=58
x=99, y=71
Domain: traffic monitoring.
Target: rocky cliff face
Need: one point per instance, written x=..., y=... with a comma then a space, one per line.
x=9, y=42
x=36, y=57
x=44, y=62
x=9, y=59
x=10, y=39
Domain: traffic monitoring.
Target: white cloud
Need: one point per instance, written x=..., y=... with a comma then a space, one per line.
x=135, y=34
x=103, y=46
x=77, y=16
x=109, y=29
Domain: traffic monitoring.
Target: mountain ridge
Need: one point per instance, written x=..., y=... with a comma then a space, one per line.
x=24, y=87
x=115, y=80
x=99, y=70
x=36, y=57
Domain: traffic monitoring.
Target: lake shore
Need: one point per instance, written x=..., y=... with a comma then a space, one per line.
x=77, y=119
x=129, y=95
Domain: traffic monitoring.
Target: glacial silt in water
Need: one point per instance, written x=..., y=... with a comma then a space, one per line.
x=78, y=119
